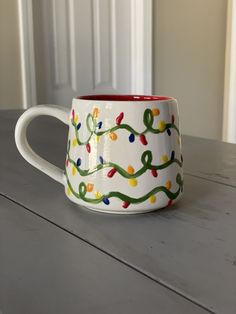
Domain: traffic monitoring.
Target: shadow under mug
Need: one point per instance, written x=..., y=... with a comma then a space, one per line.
x=123, y=154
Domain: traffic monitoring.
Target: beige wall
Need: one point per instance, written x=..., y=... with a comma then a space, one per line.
x=189, y=44
x=10, y=77
x=189, y=47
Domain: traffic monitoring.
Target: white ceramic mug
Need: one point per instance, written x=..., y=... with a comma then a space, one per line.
x=123, y=153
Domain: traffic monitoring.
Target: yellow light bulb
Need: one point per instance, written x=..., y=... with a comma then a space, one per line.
x=152, y=199
x=97, y=195
x=73, y=170
x=133, y=182
x=76, y=118
x=164, y=158
x=161, y=125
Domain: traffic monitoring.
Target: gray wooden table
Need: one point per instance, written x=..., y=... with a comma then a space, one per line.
x=56, y=257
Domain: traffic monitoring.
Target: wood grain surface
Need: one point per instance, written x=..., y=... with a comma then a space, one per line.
x=189, y=248
x=43, y=269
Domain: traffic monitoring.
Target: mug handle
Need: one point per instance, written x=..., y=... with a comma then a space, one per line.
x=23, y=146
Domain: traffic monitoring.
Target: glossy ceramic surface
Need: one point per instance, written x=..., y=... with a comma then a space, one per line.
x=124, y=156
x=123, y=153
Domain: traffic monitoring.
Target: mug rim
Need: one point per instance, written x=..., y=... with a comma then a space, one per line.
x=125, y=97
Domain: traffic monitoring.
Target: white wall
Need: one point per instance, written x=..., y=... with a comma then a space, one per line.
x=189, y=54
x=189, y=47
x=10, y=74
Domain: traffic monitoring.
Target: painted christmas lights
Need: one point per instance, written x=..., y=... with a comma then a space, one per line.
x=94, y=129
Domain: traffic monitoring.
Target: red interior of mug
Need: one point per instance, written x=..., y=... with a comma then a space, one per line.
x=124, y=97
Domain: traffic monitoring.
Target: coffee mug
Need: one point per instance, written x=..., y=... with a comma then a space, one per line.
x=123, y=153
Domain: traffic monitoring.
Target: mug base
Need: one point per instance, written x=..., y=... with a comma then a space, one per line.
x=122, y=212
